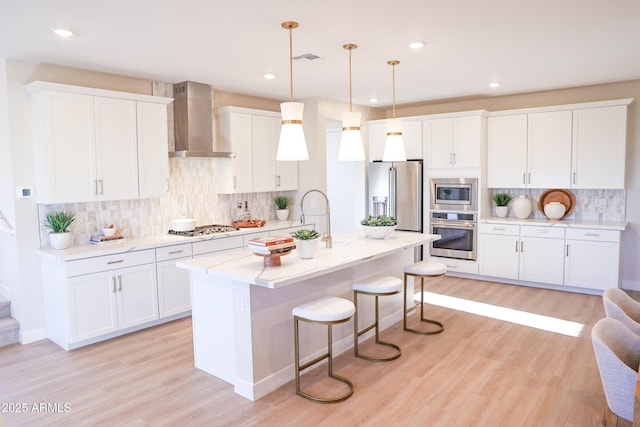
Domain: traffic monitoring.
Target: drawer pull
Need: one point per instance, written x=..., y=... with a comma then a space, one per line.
x=592, y=234
x=118, y=261
x=542, y=231
x=452, y=266
x=176, y=252
x=498, y=229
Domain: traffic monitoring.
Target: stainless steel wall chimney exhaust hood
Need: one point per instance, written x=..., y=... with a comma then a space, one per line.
x=193, y=122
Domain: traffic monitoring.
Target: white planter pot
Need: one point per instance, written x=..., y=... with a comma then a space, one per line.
x=60, y=240
x=522, y=207
x=282, y=214
x=378, y=232
x=501, y=211
x=306, y=249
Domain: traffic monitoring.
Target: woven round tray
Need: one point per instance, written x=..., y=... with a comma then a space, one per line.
x=566, y=197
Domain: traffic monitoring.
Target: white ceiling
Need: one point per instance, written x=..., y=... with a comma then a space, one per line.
x=527, y=45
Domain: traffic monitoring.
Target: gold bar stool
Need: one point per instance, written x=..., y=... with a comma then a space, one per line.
x=327, y=311
x=421, y=269
x=377, y=287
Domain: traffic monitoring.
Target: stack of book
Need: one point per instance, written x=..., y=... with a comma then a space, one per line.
x=271, y=245
x=96, y=240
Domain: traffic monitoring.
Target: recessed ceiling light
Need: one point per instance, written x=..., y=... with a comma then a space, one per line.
x=62, y=32
x=373, y=100
x=494, y=84
x=269, y=76
x=416, y=45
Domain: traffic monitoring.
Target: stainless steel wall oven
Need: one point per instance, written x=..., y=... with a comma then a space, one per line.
x=458, y=231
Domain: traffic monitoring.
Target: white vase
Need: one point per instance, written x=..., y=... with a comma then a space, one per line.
x=502, y=211
x=60, y=240
x=554, y=210
x=522, y=207
x=306, y=249
x=282, y=214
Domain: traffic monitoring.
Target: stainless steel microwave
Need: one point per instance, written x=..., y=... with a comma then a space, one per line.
x=454, y=194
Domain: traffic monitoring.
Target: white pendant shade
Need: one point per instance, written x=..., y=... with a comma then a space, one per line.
x=292, y=145
x=351, y=148
x=394, y=145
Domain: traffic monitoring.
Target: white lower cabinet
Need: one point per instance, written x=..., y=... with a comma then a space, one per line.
x=592, y=258
x=498, y=250
x=174, y=291
x=541, y=254
x=582, y=258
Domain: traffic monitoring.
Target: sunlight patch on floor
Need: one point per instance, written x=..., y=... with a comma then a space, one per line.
x=546, y=323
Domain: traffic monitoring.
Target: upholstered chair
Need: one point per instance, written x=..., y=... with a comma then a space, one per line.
x=619, y=305
x=617, y=352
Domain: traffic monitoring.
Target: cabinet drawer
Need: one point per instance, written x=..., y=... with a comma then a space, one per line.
x=506, y=229
x=172, y=252
x=548, y=232
x=109, y=262
x=215, y=245
x=593, y=234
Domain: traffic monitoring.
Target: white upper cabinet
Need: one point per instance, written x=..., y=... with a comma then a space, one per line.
x=599, y=141
x=411, y=136
x=455, y=142
x=507, y=151
x=153, y=146
x=549, y=149
x=90, y=144
x=253, y=136
x=571, y=146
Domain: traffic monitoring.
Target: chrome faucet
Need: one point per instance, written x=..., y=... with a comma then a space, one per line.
x=327, y=237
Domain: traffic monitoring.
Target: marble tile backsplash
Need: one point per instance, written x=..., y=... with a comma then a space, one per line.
x=591, y=205
x=192, y=194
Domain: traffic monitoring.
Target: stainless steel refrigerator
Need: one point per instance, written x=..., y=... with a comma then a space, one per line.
x=395, y=189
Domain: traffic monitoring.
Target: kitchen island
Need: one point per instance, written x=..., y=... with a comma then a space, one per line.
x=242, y=322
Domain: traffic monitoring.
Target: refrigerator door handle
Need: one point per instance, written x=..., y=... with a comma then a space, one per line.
x=393, y=187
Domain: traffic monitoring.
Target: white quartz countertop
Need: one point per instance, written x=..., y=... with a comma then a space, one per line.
x=618, y=226
x=150, y=242
x=350, y=248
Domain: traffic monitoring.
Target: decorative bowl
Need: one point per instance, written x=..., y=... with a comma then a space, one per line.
x=109, y=231
x=554, y=210
x=378, y=232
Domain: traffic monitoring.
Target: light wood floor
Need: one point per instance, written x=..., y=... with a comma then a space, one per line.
x=478, y=372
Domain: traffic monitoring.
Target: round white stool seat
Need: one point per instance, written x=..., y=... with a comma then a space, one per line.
x=426, y=268
x=379, y=285
x=326, y=309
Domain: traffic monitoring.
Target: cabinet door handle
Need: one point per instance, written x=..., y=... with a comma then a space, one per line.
x=529, y=177
x=113, y=283
x=524, y=177
x=95, y=187
x=516, y=246
x=522, y=246
x=119, y=282
x=101, y=189
x=279, y=181
x=454, y=158
x=117, y=261
x=574, y=177
x=567, y=249
x=234, y=182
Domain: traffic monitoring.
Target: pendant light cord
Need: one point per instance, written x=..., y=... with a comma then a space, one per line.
x=393, y=72
x=291, y=64
x=350, y=87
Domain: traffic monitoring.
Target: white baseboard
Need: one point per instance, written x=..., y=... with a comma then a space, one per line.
x=27, y=337
x=632, y=285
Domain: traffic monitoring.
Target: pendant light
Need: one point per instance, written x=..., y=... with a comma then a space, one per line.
x=351, y=148
x=393, y=145
x=292, y=145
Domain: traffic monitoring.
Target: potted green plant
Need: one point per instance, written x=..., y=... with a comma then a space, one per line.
x=306, y=242
x=58, y=223
x=502, y=204
x=282, y=202
x=378, y=226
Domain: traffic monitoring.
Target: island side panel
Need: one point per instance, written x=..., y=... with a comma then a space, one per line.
x=272, y=322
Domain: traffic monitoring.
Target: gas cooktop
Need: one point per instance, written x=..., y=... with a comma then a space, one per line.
x=204, y=230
